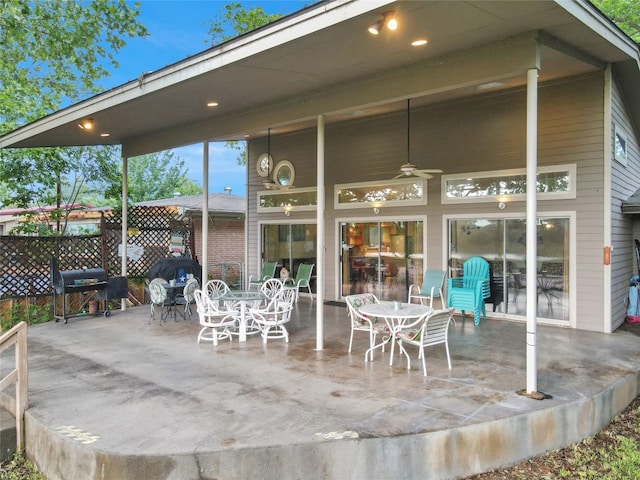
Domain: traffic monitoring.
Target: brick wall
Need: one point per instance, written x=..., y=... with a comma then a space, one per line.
x=226, y=240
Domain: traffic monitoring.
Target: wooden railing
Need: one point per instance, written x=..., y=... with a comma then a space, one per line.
x=16, y=336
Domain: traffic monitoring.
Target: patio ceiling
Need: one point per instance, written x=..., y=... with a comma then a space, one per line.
x=322, y=60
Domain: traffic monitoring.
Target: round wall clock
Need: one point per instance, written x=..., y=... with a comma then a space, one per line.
x=264, y=165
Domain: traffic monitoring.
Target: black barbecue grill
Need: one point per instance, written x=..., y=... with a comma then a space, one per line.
x=93, y=283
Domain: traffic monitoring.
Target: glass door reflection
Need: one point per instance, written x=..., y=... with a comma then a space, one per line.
x=381, y=258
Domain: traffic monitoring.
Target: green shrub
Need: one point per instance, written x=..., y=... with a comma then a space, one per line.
x=19, y=468
x=25, y=312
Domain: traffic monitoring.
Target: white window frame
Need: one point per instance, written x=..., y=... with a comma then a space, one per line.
x=286, y=194
x=568, y=194
x=620, y=145
x=381, y=184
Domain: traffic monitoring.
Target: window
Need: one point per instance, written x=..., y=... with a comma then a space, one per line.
x=298, y=199
x=554, y=182
x=620, y=146
x=410, y=191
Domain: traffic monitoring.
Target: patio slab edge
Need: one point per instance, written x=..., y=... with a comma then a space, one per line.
x=444, y=454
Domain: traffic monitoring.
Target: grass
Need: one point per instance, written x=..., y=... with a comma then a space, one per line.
x=19, y=468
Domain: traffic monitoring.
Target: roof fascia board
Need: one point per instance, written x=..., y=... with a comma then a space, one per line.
x=600, y=24
x=280, y=32
x=471, y=67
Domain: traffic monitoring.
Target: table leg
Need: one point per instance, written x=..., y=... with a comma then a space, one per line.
x=243, y=323
x=393, y=345
x=366, y=354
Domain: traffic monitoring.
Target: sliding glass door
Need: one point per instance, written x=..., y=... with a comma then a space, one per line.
x=382, y=257
x=503, y=243
x=289, y=245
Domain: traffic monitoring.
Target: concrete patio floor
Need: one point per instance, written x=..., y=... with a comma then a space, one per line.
x=118, y=398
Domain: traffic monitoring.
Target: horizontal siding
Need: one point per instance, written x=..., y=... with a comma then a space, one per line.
x=475, y=134
x=625, y=180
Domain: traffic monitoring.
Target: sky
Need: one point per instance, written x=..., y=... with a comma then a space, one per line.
x=178, y=29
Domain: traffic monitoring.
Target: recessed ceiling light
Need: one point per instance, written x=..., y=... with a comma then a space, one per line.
x=419, y=42
x=212, y=104
x=105, y=134
x=487, y=86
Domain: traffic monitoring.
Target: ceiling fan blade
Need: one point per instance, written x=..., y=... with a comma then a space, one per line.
x=423, y=174
x=430, y=170
x=400, y=175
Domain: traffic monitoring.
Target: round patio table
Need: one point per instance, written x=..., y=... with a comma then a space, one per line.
x=242, y=298
x=395, y=318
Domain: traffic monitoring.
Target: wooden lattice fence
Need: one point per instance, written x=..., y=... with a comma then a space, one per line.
x=149, y=228
x=24, y=261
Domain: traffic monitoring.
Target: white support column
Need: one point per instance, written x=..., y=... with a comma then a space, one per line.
x=205, y=212
x=320, y=247
x=125, y=223
x=532, y=245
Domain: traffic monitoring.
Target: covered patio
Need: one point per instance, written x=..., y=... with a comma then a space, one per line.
x=118, y=398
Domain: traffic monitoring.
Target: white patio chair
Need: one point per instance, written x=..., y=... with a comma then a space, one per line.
x=430, y=329
x=187, y=298
x=270, y=288
x=158, y=297
x=215, y=289
x=364, y=323
x=271, y=319
x=215, y=321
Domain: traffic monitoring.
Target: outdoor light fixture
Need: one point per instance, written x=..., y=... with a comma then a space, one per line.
x=376, y=210
x=86, y=124
x=375, y=28
x=388, y=21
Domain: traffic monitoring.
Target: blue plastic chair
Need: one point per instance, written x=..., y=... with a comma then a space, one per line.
x=468, y=293
x=432, y=285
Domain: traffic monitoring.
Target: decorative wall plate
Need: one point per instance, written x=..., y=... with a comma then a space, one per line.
x=264, y=165
x=284, y=174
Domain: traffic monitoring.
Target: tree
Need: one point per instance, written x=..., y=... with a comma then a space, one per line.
x=156, y=176
x=93, y=169
x=624, y=13
x=233, y=22
x=54, y=52
x=237, y=20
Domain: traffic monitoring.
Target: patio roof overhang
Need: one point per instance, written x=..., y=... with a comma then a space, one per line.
x=322, y=60
x=631, y=206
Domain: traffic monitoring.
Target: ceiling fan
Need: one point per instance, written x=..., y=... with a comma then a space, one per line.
x=409, y=169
